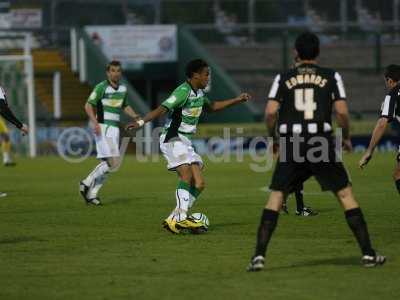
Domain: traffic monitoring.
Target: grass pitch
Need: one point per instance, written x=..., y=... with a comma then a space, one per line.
x=53, y=246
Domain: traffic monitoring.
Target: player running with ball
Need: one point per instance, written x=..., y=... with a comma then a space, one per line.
x=185, y=106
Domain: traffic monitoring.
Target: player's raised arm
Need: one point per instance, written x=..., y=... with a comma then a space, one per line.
x=220, y=105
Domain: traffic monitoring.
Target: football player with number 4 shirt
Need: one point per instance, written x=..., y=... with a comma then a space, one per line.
x=305, y=97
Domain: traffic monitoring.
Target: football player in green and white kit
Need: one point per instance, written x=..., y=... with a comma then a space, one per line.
x=185, y=106
x=104, y=107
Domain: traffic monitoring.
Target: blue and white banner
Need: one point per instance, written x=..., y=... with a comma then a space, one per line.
x=136, y=44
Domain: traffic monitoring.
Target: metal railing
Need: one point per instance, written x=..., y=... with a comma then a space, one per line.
x=364, y=50
x=364, y=14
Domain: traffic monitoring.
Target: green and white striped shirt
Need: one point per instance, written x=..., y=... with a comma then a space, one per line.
x=109, y=102
x=185, y=107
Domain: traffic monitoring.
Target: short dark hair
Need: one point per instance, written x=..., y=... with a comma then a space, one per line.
x=195, y=66
x=114, y=63
x=392, y=72
x=307, y=45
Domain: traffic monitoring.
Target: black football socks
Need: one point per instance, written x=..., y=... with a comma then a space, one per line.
x=268, y=222
x=357, y=224
x=299, y=200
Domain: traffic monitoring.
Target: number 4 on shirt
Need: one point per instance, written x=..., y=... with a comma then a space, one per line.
x=304, y=101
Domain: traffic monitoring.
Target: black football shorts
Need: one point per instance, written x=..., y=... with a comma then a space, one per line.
x=290, y=173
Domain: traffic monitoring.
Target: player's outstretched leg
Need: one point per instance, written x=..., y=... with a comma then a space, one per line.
x=355, y=220
x=268, y=222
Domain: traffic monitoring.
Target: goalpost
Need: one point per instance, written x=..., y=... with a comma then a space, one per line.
x=17, y=79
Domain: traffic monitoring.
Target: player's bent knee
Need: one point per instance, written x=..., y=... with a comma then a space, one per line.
x=346, y=198
x=343, y=193
x=185, y=173
x=200, y=185
x=275, y=201
x=186, y=176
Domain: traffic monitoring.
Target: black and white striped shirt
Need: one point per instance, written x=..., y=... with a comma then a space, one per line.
x=5, y=111
x=306, y=94
x=391, y=104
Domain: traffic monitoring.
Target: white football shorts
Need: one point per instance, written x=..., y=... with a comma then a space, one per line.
x=107, y=143
x=178, y=152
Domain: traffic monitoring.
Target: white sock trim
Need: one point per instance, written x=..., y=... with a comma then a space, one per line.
x=101, y=169
x=182, y=204
x=96, y=186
